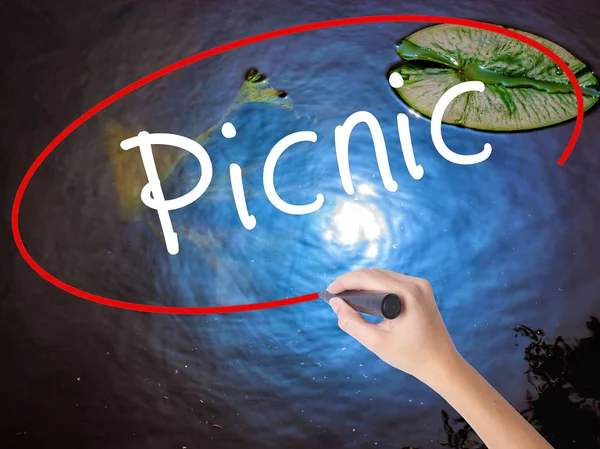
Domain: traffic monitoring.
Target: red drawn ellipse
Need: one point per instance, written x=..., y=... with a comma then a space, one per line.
x=222, y=49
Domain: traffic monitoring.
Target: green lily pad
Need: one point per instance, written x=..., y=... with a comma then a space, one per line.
x=524, y=88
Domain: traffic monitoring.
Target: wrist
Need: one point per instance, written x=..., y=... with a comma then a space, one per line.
x=446, y=369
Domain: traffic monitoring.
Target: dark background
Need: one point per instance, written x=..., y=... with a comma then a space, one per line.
x=510, y=245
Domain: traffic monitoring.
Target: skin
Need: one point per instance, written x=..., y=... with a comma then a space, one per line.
x=418, y=343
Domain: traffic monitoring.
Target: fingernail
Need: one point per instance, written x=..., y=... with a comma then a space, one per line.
x=335, y=304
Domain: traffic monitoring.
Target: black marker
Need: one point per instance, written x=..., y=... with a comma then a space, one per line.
x=384, y=305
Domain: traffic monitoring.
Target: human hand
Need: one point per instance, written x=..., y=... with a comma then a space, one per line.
x=417, y=342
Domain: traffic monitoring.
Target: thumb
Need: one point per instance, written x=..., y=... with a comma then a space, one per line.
x=351, y=322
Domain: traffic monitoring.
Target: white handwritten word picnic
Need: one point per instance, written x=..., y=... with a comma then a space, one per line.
x=153, y=197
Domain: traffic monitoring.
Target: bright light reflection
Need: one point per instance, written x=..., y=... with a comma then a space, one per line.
x=355, y=221
x=366, y=189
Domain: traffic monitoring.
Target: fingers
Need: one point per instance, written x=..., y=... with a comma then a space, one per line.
x=363, y=279
x=407, y=287
x=399, y=276
x=423, y=284
x=351, y=322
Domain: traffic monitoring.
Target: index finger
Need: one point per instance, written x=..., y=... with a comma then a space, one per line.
x=363, y=279
x=400, y=277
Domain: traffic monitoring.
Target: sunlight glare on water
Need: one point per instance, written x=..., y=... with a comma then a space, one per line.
x=504, y=242
x=355, y=222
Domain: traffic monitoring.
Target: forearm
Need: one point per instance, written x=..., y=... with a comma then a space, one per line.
x=496, y=422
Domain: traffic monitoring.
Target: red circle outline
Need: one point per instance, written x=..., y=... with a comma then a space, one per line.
x=222, y=49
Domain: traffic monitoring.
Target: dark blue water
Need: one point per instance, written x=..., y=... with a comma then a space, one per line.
x=506, y=242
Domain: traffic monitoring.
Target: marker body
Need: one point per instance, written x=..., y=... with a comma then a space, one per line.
x=384, y=305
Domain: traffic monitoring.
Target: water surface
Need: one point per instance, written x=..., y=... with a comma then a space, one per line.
x=507, y=242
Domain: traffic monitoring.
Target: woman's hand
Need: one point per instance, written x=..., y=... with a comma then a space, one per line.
x=417, y=342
